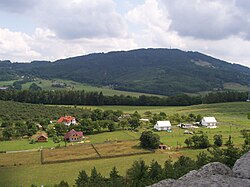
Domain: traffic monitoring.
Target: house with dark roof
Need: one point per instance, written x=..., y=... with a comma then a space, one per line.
x=67, y=120
x=40, y=137
x=73, y=136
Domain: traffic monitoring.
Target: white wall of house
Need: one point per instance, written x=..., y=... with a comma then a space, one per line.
x=209, y=122
x=163, y=125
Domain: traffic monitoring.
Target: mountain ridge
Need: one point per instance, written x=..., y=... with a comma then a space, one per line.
x=157, y=71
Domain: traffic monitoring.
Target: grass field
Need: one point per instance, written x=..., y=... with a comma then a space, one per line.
x=113, y=136
x=49, y=174
x=119, y=148
x=235, y=87
x=47, y=85
x=24, y=144
x=69, y=153
x=18, y=159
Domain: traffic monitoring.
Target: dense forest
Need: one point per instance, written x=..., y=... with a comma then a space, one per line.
x=156, y=71
x=94, y=98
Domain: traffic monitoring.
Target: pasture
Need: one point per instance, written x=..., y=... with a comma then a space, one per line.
x=23, y=144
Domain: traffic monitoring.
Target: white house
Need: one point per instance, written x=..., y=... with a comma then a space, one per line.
x=209, y=122
x=163, y=126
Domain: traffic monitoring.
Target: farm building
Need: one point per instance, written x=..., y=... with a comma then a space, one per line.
x=40, y=137
x=73, y=136
x=163, y=126
x=209, y=122
x=3, y=88
x=186, y=126
x=67, y=120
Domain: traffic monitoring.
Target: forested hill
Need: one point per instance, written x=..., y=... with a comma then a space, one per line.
x=158, y=71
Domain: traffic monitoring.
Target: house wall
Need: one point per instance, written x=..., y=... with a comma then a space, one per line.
x=162, y=128
x=75, y=138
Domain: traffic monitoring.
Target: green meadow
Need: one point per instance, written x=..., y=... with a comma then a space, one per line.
x=72, y=85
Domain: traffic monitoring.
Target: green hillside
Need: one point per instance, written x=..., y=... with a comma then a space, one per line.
x=46, y=84
x=155, y=71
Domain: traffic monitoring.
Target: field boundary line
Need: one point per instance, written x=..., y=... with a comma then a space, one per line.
x=23, y=151
x=96, y=151
x=97, y=158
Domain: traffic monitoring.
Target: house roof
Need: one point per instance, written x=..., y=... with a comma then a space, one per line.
x=65, y=119
x=163, y=123
x=71, y=132
x=38, y=135
x=209, y=119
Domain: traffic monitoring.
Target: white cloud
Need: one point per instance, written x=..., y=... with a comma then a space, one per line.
x=81, y=18
x=155, y=24
x=45, y=45
x=15, y=45
x=212, y=19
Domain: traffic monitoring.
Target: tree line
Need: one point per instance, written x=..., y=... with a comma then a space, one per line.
x=70, y=97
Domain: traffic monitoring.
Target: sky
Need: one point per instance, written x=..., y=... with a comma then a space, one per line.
x=55, y=29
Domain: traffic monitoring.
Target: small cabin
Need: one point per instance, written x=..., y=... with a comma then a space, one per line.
x=40, y=137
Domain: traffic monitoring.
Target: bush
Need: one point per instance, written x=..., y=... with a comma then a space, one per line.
x=150, y=140
x=32, y=141
x=218, y=140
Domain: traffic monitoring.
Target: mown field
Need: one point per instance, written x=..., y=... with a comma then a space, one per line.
x=232, y=118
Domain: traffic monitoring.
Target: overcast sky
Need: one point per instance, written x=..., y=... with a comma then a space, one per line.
x=54, y=29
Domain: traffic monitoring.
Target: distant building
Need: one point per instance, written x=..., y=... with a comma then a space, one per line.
x=144, y=120
x=67, y=120
x=73, y=136
x=185, y=126
x=3, y=88
x=40, y=137
x=163, y=126
x=209, y=122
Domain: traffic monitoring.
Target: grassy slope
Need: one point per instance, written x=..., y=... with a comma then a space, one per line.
x=225, y=112
x=46, y=85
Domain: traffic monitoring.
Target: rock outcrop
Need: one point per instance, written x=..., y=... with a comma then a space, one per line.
x=214, y=175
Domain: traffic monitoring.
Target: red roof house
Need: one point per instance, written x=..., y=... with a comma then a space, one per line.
x=73, y=136
x=67, y=120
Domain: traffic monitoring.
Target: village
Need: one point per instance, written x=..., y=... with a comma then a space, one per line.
x=78, y=136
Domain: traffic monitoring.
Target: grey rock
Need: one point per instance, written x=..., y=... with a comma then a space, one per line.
x=241, y=167
x=214, y=175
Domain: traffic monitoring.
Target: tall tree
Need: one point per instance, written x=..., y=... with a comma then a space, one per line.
x=115, y=179
x=138, y=174
x=82, y=180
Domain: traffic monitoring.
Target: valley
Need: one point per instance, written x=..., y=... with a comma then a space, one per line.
x=27, y=167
